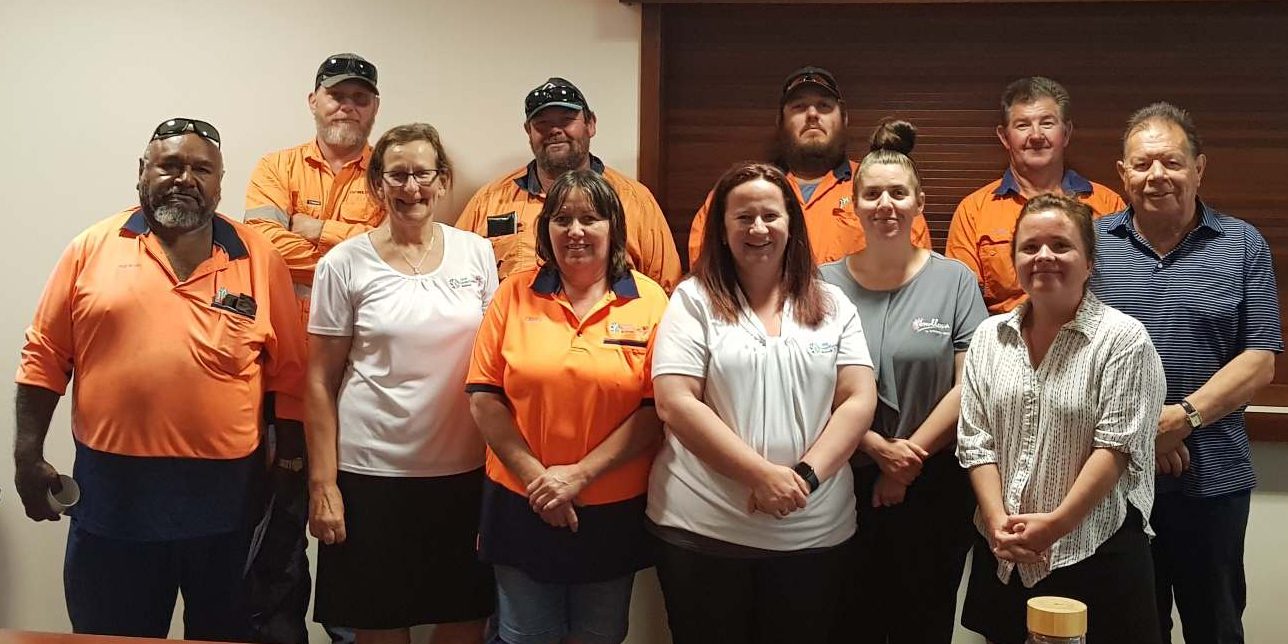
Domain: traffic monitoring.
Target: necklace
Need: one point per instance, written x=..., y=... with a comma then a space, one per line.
x=415, y=266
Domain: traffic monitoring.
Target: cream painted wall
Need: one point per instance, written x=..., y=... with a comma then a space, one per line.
x=88, y=81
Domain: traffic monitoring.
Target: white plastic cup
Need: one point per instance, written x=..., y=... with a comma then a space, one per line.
x=67, y=497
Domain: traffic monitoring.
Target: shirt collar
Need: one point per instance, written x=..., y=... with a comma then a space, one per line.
x=1085, y=320
x=531, y=182
x=548, y=282
x=1071, y=183
x=1123, y=221
x=313, y=153
x=842, y=172
x=223, y=233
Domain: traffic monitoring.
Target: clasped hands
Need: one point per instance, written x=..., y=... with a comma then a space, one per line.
x=1025, y=538
x=553, y=494
x=900, y=463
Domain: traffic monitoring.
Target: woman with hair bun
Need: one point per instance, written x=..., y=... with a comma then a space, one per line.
x=919, y=310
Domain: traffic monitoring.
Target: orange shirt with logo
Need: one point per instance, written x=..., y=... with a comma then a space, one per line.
x=984, y=222
x=161, y=366
x=834, y=229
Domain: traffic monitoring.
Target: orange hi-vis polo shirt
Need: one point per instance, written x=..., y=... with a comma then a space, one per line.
x=569, y=383
x=299, y=180
x=834, y=229
x=505, y=211
x=163, y=367
x=982, y=226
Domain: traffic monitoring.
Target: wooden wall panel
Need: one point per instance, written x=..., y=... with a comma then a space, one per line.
x=942, y=67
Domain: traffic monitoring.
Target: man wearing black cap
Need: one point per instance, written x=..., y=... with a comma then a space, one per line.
x=305, y=200
x=560, y=124
x=811, y=147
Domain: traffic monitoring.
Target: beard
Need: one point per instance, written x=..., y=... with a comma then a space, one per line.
x=175, y=216
x=813, y=156
x=557, y=163
x=343, y=134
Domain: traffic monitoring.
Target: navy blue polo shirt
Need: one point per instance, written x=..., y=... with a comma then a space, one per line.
x=1207, y=301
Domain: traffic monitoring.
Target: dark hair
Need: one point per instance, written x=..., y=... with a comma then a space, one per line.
x=717, y=273
x=401, y=135
x=1080, y=214
x=605, y=201
x=1166, y=112
x=1028, y=90
x=891, y=143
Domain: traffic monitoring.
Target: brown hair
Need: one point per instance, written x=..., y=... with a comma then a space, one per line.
x=717, y=273
x=1028, y=90
x=402, y=135
x=1080, y=214
x=1167, y=113
x=605, y=201
x=892, y=142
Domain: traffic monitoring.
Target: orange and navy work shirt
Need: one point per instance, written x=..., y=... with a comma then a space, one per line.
x=984, y=222
x=299, y=180
x=569, y=383
x=506, y=210
x=160, y=366
x=834, y=229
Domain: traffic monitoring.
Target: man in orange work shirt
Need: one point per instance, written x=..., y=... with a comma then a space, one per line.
x=559, y=124
x=172, y=322
x=305, y=200
x=1035, y=130
x=812, y=144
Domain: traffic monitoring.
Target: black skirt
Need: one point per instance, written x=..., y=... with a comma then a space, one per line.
x=409, y=557
x=1116, y=583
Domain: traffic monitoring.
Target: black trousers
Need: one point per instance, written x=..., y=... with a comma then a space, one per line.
x=789, y=599
x=1198, y=560
x=907, y=559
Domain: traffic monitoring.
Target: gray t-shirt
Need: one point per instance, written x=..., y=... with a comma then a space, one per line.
x=913, y=333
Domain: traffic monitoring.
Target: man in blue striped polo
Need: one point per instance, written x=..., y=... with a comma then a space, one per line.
x=1203, y=284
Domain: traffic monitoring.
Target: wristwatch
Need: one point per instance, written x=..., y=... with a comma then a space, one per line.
x=806, y=472
x=1196, y=421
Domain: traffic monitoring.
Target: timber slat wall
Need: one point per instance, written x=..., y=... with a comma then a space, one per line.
x=718, y=68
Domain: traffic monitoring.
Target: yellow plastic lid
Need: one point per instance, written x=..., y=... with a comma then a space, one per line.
x=1057, y=617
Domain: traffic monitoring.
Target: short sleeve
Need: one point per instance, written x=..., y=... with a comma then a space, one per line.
x=852, y=346
x=487, y=264
x=681, y=347
x=969, y=311
x=975, y=444
x=1131, y=392
x=47, y=353
x=487, y=362
x=331, y=307
x=1259, y=325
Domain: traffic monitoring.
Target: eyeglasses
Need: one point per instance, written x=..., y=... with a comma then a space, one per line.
x=422, y=177
x=178, y=126
x=353, y=66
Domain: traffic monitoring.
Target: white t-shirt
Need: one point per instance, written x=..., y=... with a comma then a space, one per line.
x=776, y=394
x=402, y=405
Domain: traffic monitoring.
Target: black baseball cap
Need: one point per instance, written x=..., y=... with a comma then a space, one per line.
x=813, y=76
x=338, y=68
x=555, y=92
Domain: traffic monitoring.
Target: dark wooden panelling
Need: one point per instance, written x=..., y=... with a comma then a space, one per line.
x=942, y=67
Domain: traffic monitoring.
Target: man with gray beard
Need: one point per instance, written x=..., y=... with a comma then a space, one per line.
x=305, y=200
x=559, y=124
x=174, y=322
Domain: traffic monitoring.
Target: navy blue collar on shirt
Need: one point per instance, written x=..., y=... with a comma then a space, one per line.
x=549, y=282
x=532, y=182
x=1122, y=222
x=223, y=233
x=1071, y=183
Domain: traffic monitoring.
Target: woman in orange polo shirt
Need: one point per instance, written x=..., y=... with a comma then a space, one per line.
x=559, y=386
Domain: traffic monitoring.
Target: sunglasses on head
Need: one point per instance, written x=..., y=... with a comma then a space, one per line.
x=178, y=126
x=338, y=66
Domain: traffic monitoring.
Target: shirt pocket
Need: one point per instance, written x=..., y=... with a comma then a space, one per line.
x=997, y=269
x=634, y=352
x=231, y=347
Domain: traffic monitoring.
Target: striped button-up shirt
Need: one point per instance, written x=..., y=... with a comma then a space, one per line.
x=1100, y=385
x=1205, y=302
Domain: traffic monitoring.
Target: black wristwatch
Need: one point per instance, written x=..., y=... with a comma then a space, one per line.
x=806, y=472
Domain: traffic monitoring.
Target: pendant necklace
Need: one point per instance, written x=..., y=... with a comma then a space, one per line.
x=415, y=266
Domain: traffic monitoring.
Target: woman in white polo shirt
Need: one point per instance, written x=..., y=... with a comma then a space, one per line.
x=395, y=498
x=762, y=376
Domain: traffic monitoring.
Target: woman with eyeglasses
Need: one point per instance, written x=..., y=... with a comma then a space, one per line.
x=764, y=381
x=395, y=460
x=559, y=385
x=919, y=310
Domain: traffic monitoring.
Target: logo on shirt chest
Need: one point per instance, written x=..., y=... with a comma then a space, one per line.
x=473, y=281
x=843, y=202
x=820, y=348
x=629, y=331
x=932, y=326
